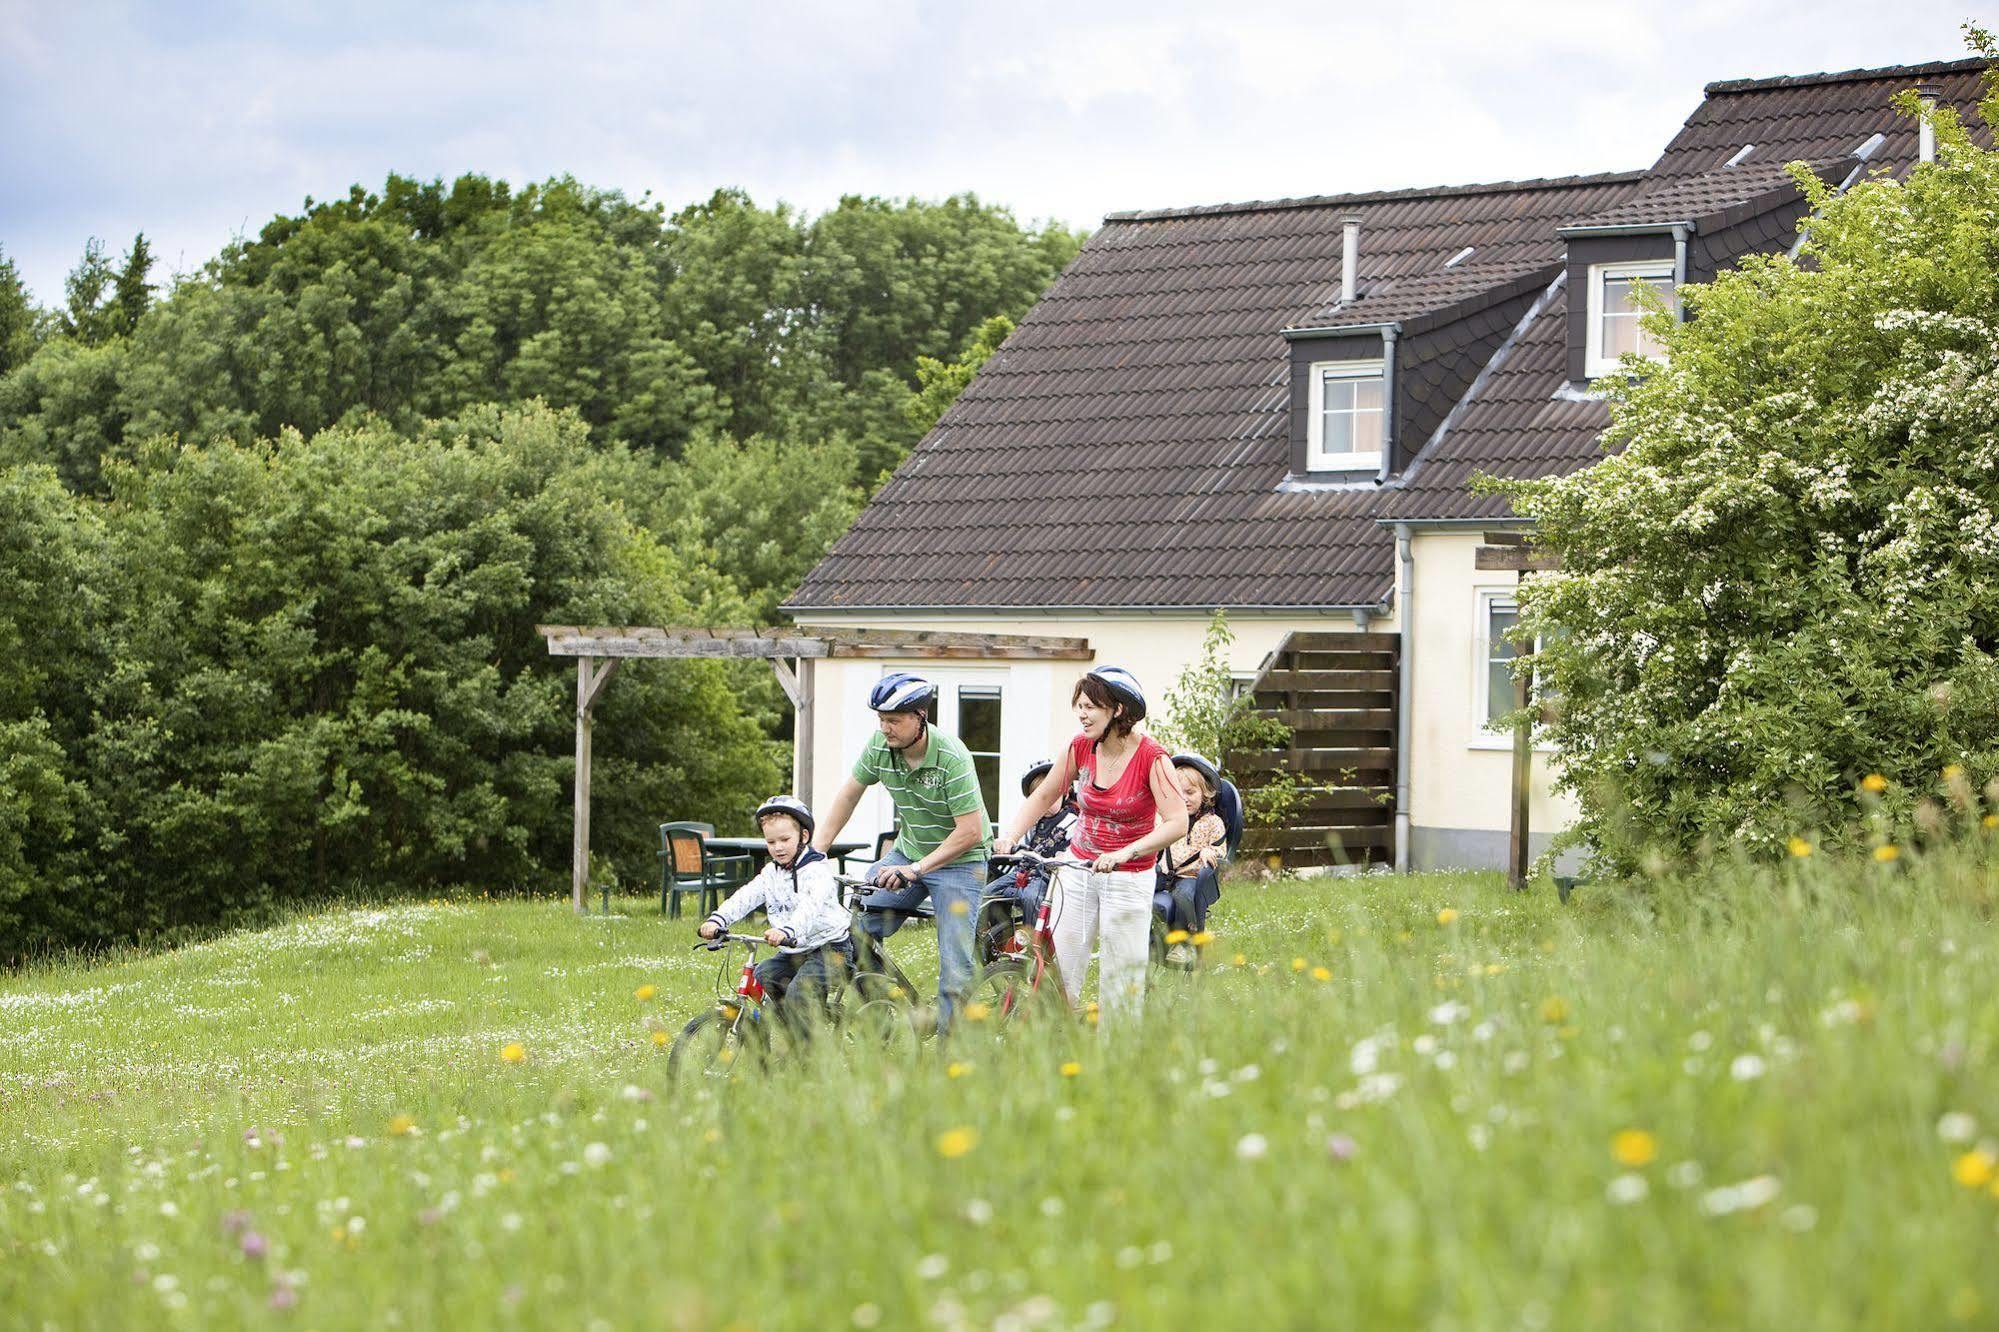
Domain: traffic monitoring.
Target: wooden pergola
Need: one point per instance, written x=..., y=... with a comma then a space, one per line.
x=791, y=652
x=1513, y=551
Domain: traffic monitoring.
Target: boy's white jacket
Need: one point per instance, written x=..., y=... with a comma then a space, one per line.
x=801, y=899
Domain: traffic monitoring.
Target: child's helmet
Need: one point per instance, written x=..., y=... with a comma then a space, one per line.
x=1208, y=771
x=1035, y=772
x=787, y=804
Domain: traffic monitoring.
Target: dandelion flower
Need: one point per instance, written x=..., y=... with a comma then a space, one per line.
x=1975, y=1169
x=1321, y=974
x=1201, y=938
x=1634, y=1148
x=645, y=992
x=1952, y=771
x=957, y=1068
x=1989, y=821
x=1071, y=1069
x=402, y=1126
x=1554, y=1009
x=1242, y=959
x=977, y=1012
x=660, y=1038
x=1448, y=916
x=1177, y=936
x=513, y=1052
x=1800, y=847
x=1874, y=782
x=1887, y=852
x=1298, y=964
x=954, y=1143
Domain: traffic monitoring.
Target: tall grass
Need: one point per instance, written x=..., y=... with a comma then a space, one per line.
x=1388, y=1101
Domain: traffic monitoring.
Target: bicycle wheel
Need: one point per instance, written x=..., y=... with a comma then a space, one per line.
x=874, y=1020
x=999, y=919
x=1006, y=993
x=714, y=1045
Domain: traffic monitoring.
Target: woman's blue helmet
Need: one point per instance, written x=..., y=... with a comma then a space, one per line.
x=1123, y=686
x=899, y=691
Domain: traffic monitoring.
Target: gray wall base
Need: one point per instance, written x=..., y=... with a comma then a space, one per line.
x=1476, y=848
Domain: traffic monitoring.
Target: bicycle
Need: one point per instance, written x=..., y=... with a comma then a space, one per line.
x=877, y=978
x=1025, y=978
x=717, y=1041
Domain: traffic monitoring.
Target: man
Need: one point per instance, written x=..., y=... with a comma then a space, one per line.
x=944, y=836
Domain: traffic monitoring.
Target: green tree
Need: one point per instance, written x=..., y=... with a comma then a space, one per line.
x=1787, y=578
x=1205, y=713
x=86, y=314
x=18, y=317
x=131, y=293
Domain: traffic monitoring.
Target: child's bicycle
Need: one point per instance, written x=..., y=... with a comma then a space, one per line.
x=739, y=1027
x=1023, y=978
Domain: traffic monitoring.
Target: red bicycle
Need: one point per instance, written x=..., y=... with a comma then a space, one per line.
x=1024, y=977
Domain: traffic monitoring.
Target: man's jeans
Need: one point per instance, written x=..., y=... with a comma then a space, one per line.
x=954, y=894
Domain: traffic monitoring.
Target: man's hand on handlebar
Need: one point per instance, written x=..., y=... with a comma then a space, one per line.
x=895, y=876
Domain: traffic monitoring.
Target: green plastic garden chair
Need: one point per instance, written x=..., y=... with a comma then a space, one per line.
x=687, y=866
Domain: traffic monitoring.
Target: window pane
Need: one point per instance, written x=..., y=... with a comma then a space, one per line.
x=1500, y=624
x=987, y=766
x=979, y=718
x=1621, y=334
x=1337, y=434
x=1367, y=431
x=1338, y=394
x=1367, y=394
x=1498, y=691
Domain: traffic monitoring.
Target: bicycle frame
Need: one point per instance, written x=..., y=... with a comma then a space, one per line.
x=869, y=953
x=1042, y=964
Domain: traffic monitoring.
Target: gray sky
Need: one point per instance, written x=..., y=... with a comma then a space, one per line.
x=196, y=121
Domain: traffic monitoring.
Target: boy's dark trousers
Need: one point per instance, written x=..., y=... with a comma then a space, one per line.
x=799, y=982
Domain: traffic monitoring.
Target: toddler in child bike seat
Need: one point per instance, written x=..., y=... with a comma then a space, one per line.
x=800, y=898
x=1201, y=849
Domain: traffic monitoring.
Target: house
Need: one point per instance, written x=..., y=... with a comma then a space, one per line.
x=1275, y=409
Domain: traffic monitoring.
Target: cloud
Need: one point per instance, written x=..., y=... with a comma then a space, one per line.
x=194, y=122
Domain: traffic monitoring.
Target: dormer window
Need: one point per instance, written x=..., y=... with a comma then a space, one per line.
x=1615, y=315
x=1346, y=418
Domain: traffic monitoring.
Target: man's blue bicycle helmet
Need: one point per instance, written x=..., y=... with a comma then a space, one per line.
x=1123, y=686
x=899, y=691
x=787, y=804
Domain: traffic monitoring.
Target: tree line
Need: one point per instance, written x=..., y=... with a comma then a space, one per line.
x=279, y=530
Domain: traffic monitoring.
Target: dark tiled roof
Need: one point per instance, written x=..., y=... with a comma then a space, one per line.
x=1710, y=195
x=1430, y=298
x=1813, y=116
x=1520, y=422
x=1125, y=446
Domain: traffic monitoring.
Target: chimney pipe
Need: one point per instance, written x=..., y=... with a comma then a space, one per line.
x=1926, y=136
x=1349, y=260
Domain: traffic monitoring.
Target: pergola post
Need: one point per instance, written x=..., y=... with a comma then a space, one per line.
x=1523, y=772
x=589, y=683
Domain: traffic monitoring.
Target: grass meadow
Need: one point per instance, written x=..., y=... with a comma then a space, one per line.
x=1761, y=1099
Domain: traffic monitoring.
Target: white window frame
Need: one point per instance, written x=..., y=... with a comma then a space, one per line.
x=1484, y=601
x=1316, y=458
x=1595, y=364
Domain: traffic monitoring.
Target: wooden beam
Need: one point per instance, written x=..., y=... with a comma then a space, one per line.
x=1523, y=780
x=803, y=722
x=786, y=679
x=955, y=652
x=669, y=642
x=595, y=643
x=1523, y=559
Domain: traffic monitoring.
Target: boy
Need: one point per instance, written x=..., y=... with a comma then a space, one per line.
x=799, y=896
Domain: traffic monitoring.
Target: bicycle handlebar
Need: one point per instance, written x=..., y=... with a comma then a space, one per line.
x=721, y=941
x=1036, y=858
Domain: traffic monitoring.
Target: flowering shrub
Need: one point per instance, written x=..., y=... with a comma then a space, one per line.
x=1787, y=576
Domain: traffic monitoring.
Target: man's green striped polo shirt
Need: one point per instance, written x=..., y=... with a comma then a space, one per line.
x=928, y=797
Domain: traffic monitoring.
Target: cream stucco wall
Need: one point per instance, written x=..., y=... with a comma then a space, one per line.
x=1461, y=775
x=1035, y=716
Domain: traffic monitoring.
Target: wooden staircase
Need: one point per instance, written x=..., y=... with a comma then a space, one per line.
x=1337, y=693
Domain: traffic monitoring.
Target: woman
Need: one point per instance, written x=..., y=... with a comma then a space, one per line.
x=1130, y=808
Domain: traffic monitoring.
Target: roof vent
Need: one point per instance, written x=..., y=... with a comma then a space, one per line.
x=1870, y=146
x=1741, y=155
x=1349, y=259
x=1459, y=257
x=1926, y=134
